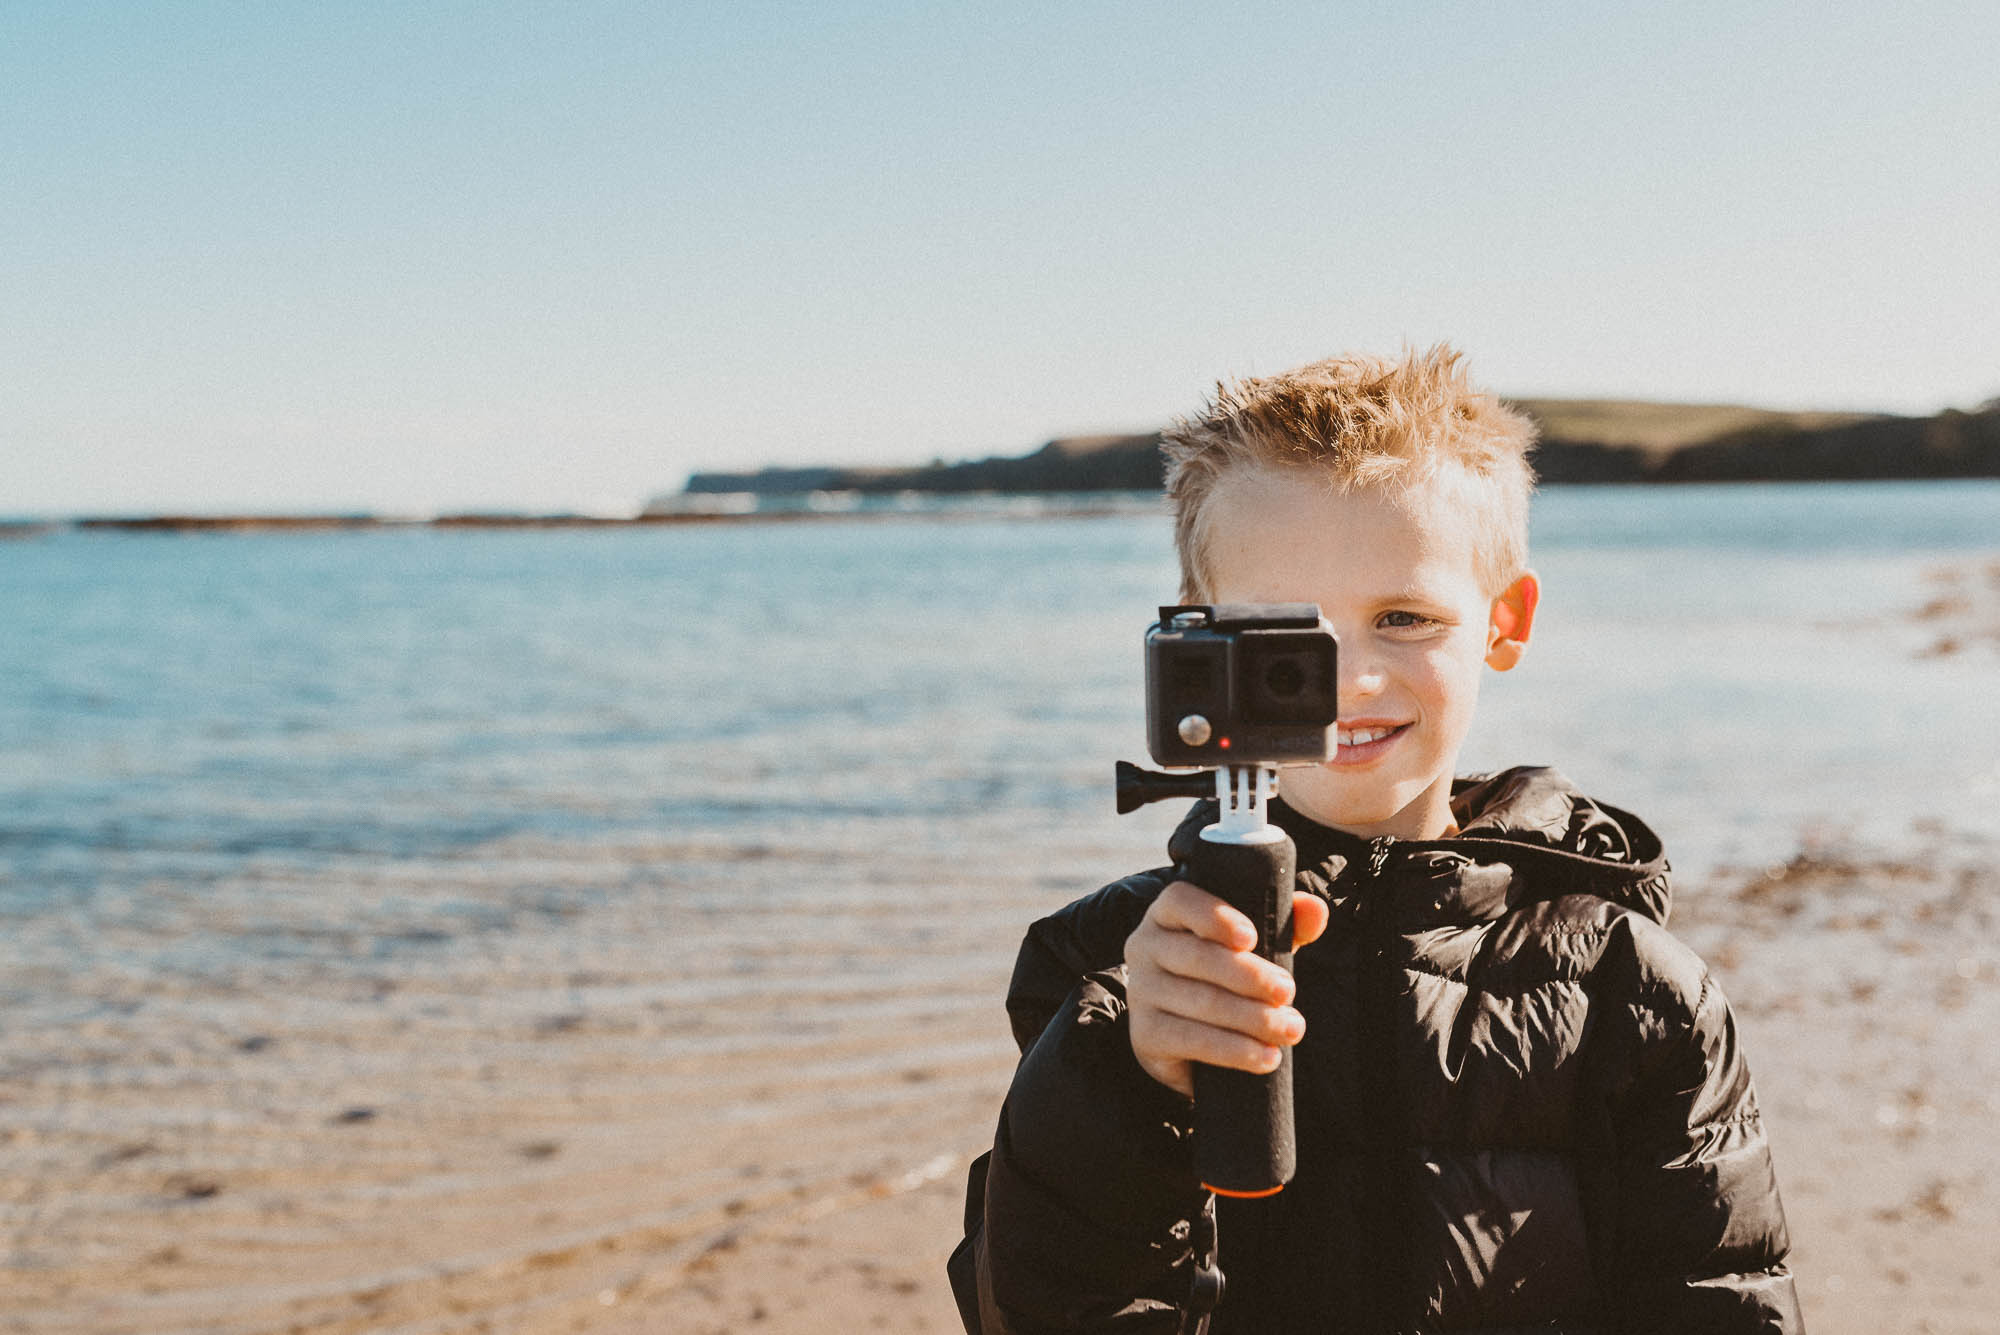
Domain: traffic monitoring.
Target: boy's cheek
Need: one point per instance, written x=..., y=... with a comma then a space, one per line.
x=1447, y=676
x=1449, y=654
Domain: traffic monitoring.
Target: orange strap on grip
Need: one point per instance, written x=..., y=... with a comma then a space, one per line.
x=1244, y=1195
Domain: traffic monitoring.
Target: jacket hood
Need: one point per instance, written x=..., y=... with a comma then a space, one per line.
x=1525, y=835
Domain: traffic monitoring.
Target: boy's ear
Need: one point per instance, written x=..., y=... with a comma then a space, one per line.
x=1511, y=621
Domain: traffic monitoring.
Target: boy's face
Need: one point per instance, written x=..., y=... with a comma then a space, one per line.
x=1399, y=586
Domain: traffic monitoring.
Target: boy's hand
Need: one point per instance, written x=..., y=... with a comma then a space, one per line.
x=1195, y=993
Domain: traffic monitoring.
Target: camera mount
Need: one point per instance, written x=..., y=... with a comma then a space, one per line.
x=1242, y=792
x=1233, y=691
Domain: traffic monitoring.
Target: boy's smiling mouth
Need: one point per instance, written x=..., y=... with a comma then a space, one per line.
x=1364, y=739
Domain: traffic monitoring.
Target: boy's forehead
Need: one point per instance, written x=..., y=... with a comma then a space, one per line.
x=1296, y=507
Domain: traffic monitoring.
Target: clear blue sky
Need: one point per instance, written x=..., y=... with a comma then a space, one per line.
x=419, y=256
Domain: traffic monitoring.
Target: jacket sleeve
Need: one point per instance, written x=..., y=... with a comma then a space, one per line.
x=1697, y=1241
x=1086, y=1217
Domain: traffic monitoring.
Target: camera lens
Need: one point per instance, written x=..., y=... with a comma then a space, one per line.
x=1283, y=679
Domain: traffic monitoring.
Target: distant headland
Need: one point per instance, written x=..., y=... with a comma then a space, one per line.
x=1582, y=441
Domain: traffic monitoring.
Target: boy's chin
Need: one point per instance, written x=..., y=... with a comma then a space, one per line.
x=1350, y=802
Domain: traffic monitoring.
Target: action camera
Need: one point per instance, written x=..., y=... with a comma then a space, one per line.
x=1241, y=684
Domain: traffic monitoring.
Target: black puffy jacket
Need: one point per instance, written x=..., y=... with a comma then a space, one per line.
x=1521, y=1105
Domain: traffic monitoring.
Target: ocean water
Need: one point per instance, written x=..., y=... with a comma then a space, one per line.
x=706, y=849
x=277, y=720
x=1738, y=662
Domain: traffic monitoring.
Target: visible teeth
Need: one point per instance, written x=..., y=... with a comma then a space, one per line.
x=1361, y=736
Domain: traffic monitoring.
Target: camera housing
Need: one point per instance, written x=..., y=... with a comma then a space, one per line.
x=1241, y=684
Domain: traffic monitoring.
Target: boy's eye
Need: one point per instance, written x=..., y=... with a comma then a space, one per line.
x=1405, y=620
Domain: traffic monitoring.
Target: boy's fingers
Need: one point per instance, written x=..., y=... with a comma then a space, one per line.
x=1237, y=971
x=1193, y=1041
x=1309, y=917
x=1185, y=907
x=1275, y=1025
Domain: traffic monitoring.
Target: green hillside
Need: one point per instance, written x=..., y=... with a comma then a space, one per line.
x=1661, y=427
x=1582, y=440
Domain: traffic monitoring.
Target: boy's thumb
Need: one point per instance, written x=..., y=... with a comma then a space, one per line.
x=1309, y=915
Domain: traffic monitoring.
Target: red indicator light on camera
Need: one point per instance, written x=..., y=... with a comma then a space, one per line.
x=1224, y=743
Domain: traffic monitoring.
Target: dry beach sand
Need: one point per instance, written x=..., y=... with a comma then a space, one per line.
x=740, y=1094
x=556, y=1127
x=577, y=1152
x=1868, y=995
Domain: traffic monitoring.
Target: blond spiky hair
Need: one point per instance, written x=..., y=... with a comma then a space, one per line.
x=1404, y=425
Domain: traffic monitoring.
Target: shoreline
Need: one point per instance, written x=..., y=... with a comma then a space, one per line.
x=1005, y=507
x=750, y=508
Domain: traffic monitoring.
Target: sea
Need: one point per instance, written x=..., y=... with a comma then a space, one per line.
x=1745, y=665
x=779, y=785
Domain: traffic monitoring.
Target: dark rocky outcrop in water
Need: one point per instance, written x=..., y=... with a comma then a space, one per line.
x=1582, y=441
x=1074, y=463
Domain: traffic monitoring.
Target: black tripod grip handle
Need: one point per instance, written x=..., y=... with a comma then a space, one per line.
x=1243, y=1137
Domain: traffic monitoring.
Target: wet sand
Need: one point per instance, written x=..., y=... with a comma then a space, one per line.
x=1963, y=612
x=606, y=1118
x=1867, y=994
x=569, y=1145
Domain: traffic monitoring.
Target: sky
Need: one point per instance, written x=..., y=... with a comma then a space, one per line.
x=421, y=258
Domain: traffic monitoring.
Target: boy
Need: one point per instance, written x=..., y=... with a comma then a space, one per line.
x=1520, y=1102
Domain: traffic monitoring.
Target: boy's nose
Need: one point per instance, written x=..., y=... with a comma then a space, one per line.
x=1358, y=679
